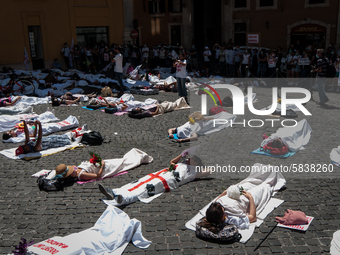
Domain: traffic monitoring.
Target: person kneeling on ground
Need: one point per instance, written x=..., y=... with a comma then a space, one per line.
x=157, y=183
x=44, y=143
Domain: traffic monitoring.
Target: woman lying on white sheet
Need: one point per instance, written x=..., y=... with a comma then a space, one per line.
x=89, y=171
x=200, y=125
x=258, y=188
x=153, y=185
x=163, y=107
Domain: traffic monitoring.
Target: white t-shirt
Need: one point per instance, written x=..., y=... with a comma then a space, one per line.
x=145, y=51
x=206, y=54
x=119, y=63
x=181, y=70
x=217, y=53
x=155, y=52
x=184, y=131
x=162, y=54
x=229, y=55
x=66, y=51
x=88, y=53
x=271, y=62
x=245, y=60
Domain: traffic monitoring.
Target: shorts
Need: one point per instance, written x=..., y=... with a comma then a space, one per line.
x=3, y=101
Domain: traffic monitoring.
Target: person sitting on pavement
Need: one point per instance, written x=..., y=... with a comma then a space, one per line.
x=7, y=101
x=165, y=180
x=44, y=143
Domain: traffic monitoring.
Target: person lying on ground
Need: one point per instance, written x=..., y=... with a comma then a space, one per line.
x=119, y=105
x=7, y=101
x=44, y=143
x=184, y=133
x=156, y=183
x=160, y=108
x=241, y=204
x=18, y=135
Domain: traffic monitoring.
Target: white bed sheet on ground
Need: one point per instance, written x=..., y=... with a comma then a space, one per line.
x=335, y=156
x=293, y=137
x=28, y=101
x=110, y=235
x=8, y=122
x=335, y=243
x=13, y=110
x=265, y=206
x=49, y=128
x=220, y=121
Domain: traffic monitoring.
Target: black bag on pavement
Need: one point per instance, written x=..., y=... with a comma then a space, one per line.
x=54, y=185
x=92, y=138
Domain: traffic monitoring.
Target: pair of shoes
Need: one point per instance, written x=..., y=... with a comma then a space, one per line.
x=109, y=194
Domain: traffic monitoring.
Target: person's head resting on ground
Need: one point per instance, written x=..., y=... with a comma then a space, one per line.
x=8, y=135
x=277, y=143
x=136, y=110
x=215, y=216
x=196, y=116
x=62, y=171
x=55, y=101
x=23, y=149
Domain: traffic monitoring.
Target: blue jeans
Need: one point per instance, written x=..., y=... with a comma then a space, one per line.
x=120, y=81
x=182, y=89
x=261, y=70
x=321, y=88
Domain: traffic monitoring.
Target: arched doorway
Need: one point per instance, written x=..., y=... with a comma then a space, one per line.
x=309, y=32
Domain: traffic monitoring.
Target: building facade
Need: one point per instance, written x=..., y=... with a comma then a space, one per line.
x=205, y=22
x=43, y=26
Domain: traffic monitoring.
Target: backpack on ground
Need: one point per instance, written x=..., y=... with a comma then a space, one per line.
x=92, y=138
x=223, y=232
x=54, y=185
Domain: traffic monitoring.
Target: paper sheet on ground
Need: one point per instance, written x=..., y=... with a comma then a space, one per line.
x=8, y=122
x=110, y=235
x=266, y=203
x=293, y=137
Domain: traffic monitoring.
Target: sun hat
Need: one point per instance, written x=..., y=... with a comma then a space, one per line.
x=63, y=171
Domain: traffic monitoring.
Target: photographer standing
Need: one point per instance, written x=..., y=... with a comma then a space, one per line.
x=181, y=75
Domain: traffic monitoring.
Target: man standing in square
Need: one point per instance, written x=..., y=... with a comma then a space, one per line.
x=118, y=60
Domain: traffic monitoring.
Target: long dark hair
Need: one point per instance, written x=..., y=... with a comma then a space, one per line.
x=55, y=101
x=214, y=217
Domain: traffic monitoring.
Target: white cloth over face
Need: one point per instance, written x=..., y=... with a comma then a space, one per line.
x=110, y=235
x=186, y=173
x=166, y=106
x=293, y=137
x=131, y=159
x=9, y=122
x=218, y=122
x=48, y=128
x=335, y=156
x=28, y=101
x=13, y=110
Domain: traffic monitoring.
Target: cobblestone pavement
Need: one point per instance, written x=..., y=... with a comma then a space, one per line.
x=27, y=212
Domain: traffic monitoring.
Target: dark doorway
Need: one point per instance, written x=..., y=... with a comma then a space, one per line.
x=207, y=23
x=36, y=47
x=176, y=35
x=316, y=40
x=91, y=36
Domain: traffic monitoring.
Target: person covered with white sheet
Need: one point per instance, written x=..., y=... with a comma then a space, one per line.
x=156, y=183
x=241, y=204
x=161, y=108
x=44, y=143
x=18, y=135
x=184, y=133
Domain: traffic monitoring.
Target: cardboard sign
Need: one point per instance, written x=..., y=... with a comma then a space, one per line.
x=304, y=62
x=253, y=38
x=298, y=227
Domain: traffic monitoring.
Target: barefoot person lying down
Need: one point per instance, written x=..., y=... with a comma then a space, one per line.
x=7, y=101
x=153, y=185
x=44, y=143
x=160, y=108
